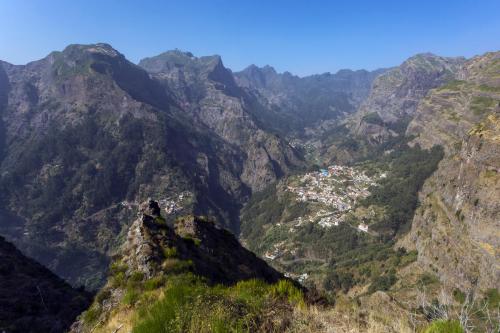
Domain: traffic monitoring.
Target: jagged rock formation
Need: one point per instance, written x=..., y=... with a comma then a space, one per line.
x=215, y=253
x=455, y=230
x=396, y=93
x=33, y=299
x=207, y=91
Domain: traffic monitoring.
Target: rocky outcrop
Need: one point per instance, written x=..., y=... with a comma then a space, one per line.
x=395, y=94
x=193, y=256
x=33, y=299
x=214, y=252
x=455, y=229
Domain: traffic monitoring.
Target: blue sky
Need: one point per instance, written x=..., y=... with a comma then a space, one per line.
x=303, y=37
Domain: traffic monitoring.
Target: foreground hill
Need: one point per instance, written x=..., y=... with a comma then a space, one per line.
x=192, y=277
x=33, y=299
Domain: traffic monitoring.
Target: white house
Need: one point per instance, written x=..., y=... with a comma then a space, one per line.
x=363, y=227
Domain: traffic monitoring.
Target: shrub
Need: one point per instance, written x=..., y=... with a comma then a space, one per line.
x=175, y=266
x=444, y=326
x=492, y=298
x=373, y=118
x=427, y=279
x=285, y=288
x=170, y=252
x=191, y=305
x=154, y=283
x=131, y=296
x=102, y=295
x=458, y=296
x=136, y=277
x=383, y=282
x=92, y=314
x=118, y=280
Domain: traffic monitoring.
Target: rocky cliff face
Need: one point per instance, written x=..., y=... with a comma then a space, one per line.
x=207, y=91
x=214, y=252
x=99, y=133
x=33, y=299
x=455, y=230
x=396, y=93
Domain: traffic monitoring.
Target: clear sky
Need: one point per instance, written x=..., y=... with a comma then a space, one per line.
x=303, y=37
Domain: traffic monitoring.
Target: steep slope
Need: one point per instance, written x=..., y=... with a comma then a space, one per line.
x=208, y=92
x=396, y=93
x=455, y=230
x=33, y=299
x=192, y=277
x=307, y=101
x=86, y=135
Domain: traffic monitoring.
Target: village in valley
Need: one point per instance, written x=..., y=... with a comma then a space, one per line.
x=338, y=188
x=332, y=193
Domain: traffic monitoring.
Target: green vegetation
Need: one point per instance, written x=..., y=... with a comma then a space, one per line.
x=397, y=193
x=383, y=282
x=341, y=257
x=191, y=305
x=452, y=85
x=444, y=326
x=458, y=296
x=427, y=279
x=492, y=298
x=170, y=252
x=373, y=118
x=89, y=167
x=481, y=104
x=286, y=289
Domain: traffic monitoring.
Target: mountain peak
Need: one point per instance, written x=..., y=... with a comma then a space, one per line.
x=172, y=59
x=98, y=48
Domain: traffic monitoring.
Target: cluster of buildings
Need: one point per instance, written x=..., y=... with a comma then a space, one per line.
x=277, y=251
x=174, y=205
x=338, y=188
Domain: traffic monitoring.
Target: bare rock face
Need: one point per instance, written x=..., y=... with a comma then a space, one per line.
x=208, y=92
x=396, y=93
x=455, y=229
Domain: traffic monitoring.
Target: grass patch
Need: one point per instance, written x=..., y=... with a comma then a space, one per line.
x=170, y=252
x=481, y=105
x=131, y=296
x=286, y=289
x=444, y=326
x=191, y=305
x=92, y=314
x=154, y=283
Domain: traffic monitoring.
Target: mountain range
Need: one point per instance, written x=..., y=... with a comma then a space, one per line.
x=362, y=185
